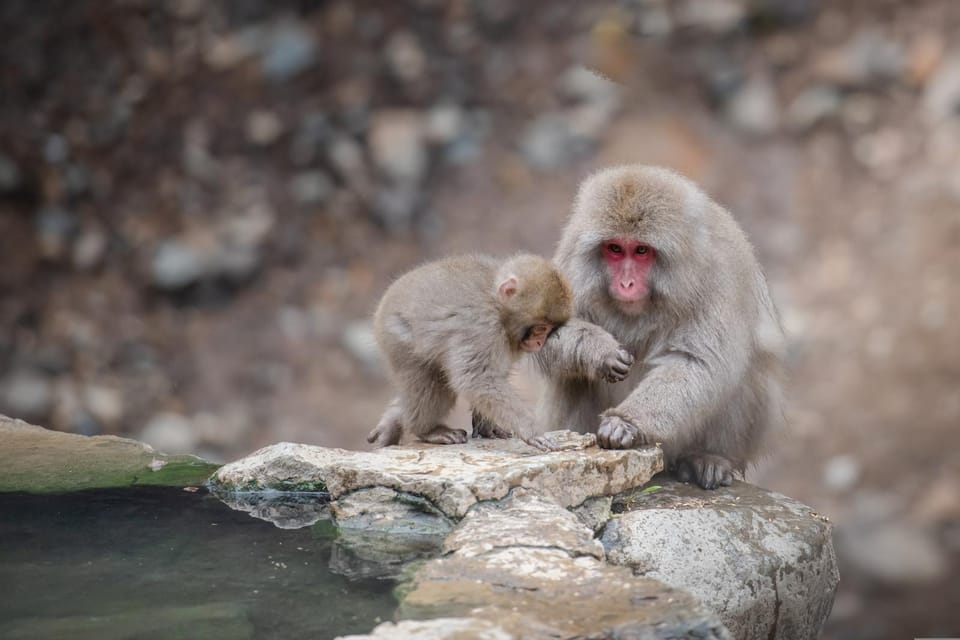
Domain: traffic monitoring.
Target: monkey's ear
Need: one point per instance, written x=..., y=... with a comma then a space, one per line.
x=507, y=288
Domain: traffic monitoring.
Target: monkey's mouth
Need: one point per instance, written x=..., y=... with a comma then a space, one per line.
x=631, y=307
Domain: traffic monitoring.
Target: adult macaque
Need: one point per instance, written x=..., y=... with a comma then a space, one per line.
x=457, y=326
x=664, y=275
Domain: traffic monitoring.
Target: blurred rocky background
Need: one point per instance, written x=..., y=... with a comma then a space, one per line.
x=200, y=202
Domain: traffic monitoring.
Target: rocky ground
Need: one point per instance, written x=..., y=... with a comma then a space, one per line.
x=201, y=201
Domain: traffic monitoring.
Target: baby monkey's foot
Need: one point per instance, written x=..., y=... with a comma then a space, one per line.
x=442, y=434
x=486, y=428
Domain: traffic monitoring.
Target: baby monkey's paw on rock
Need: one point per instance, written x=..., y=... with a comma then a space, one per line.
x=617, y=433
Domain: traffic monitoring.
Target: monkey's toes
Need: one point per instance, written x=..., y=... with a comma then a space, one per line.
x=445, y=435
x=709, y=471
x=543, y=443
x=484, y=428
x=616, y=433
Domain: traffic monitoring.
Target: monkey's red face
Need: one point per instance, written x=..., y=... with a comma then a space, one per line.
x=535, y=337
x=628, y=263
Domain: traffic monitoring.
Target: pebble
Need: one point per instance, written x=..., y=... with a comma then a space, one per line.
x=444, y=123
x=811, y=107
x=841, y=472
x=176, y=265
x=753, y=108
x=169, y=433
x=405, y=56
x=397, y=144
x=288, y=50
x=310, y=187
x=868, y=58
x=941, y=100
x=89, y=249
x=25, y=394
x=9, y=174
x=548, y=142
x=263, y=127
x=55, y=228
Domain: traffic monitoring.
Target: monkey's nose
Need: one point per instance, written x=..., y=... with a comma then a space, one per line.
x=627, y=284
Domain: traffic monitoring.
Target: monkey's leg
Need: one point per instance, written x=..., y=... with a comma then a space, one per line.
x=708, y=470
x=580, y=349
x=483, y=427
x=390, y=428
x=426, y=401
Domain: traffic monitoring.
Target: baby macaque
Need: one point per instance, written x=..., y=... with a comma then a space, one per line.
x=457, y=326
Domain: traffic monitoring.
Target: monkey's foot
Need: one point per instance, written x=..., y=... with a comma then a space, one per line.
x=385, y=434
x=706, y=469
x=442, y=434
x=615, y=366
x=544, y=443
x=616, y=433
x=486, y=428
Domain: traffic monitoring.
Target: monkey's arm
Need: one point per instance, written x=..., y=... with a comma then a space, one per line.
x=580, y=349
x=678, y=393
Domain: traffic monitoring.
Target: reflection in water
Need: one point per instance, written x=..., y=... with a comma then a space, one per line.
x=163, y=563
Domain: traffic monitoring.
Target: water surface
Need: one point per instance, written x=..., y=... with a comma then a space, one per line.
x=163, y=563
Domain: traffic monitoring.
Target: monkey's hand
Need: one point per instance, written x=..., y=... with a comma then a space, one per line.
x=618, y=433
x=615, y=366
x=385, y=434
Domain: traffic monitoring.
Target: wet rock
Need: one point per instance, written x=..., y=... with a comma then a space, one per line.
x=506, y=523
x=453, y=477
x=594, y=512
x=10, y=178
x=263, y=127
x=544, y=593
x=381, y=530
x=55, y=230
x=811, y=107
x=942, y=96
x=286, y=510
x=287, y=50
x=405, y=56
x=176, y=265
x=763, y=562
x=26, y=394
x=869, y=58
x=169, y=433
x=753, y=108
x=36, y=460
x=311, y=187
x=397, y=146
x=892, y=552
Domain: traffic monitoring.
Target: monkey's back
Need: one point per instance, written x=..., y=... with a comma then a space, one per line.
x=429, y=310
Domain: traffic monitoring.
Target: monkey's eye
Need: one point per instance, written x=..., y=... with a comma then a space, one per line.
x=642, y=249
x=614, y=248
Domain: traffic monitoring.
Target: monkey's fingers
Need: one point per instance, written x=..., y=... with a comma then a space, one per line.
x=617, y=365
x=616, y=433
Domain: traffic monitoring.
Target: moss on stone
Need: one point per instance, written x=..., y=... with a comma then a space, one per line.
x=37, y=460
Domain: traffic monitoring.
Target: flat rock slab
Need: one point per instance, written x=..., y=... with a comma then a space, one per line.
x=535, y=593
x=764, y=562
x=451, y=477
x=37, y=460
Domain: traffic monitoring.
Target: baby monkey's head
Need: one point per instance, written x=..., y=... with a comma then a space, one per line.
x=534, y=300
